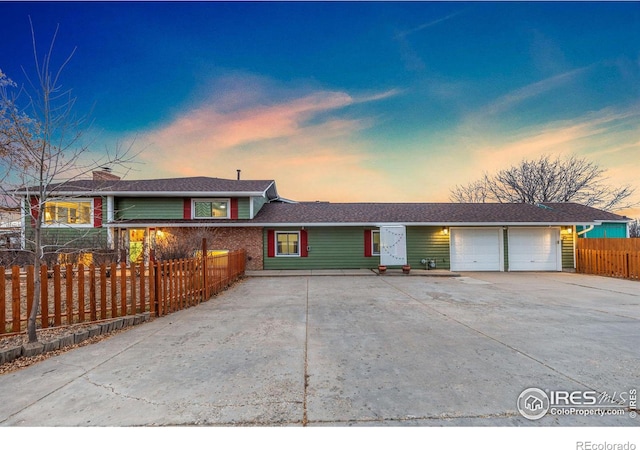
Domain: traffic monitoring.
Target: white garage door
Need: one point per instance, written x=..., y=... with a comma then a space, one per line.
x=476, y=249
x=534, y=249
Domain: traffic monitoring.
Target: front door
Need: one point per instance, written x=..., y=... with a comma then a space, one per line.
x=136, y=244
x=393, y=245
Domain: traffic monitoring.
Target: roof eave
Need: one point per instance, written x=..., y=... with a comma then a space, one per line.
x=250, y=223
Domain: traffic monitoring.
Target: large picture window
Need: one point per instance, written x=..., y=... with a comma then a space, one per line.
x=211, y=209
x=75, y=213
x=287, y=243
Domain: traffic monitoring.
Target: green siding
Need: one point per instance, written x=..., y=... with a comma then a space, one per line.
x=72, y=238
x=149, y=208
x=343, y=248
x=69, y=237
x=244, y=204
x=330, y=248
x=258, y=203
x=427, y=243
x=567, y=250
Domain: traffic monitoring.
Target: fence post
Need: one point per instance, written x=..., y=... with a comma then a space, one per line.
x=69, y=292
x=93, y=310
x=57, y=296
x=15, y=298
x=113, y=278
x=158, y=289
x=80, y=293
x=44, y=296
x=123, y=289
x=103, y=291
x=205, y=278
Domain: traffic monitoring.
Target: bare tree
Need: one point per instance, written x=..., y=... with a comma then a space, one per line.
x=547, y=180
x=634, y=229
x=41, y=150
x=185, y=243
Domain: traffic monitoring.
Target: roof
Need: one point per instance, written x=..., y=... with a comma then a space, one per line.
x=437, y=213
x=167, y=187
x=372, y=214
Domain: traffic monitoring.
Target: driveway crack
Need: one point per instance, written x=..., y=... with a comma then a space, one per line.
x=481, y=333
x=305, y=418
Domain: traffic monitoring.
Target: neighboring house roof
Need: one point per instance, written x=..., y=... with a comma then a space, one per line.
x=324, y=213
x=167, y=187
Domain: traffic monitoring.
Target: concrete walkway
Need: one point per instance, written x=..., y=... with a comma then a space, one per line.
x=349, y=350
x=349, y=272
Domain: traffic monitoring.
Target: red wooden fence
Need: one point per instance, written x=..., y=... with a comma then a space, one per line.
x=76, y=294
x=612, y=257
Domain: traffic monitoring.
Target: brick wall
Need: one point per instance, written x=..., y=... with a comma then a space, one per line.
x=249, y=239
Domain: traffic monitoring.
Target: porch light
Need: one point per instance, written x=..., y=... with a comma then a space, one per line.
x=445, y=230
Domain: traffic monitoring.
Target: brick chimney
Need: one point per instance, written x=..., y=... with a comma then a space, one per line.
x=104, y=175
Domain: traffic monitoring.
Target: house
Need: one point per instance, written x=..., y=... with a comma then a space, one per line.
x=608, y=229
x=133, y=216
x=9, y=223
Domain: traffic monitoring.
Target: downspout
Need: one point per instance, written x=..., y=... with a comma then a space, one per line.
x=110, y=219
x=586, y=230
x=575, y=242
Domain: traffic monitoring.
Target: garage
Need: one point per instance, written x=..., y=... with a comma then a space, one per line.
x=535, y=249
x=476, y=249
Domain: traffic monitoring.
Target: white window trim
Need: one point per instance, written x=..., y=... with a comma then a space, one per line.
x=91, y=223
x=373, y=252
x=276, y=244
x=198, y=200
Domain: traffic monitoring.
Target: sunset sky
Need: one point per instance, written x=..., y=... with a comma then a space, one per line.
x=358, y=101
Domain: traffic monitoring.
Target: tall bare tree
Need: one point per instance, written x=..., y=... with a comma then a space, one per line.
x=634, y=229
x=41, y=147
x=546, y=179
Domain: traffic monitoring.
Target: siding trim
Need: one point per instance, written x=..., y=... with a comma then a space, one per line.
x=186, y=209
x=233, y=205
x=271, y=243
x=304, y=244
x=97, y=212
x=368, y=249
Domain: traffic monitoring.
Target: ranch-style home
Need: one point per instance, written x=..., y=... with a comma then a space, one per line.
x=132, y=216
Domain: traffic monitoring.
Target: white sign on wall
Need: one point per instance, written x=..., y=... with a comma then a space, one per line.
x=393, y=245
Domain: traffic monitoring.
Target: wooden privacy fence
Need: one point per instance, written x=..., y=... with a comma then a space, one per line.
x=611, y=257
x=77, y=294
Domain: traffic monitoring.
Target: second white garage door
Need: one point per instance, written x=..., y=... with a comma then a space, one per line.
x=534, y=249
x=476, y=249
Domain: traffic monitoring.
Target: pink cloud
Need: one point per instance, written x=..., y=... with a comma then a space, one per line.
x=298, y=140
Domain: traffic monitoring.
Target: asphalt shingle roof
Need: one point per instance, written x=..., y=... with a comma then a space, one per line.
x=449, y=213
x=166, y=185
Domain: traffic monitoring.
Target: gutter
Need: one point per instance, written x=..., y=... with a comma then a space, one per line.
x=586, y=230
x=153, y=193
x=250, y=223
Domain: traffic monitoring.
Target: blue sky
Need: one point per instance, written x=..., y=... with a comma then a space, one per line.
x=361, y=101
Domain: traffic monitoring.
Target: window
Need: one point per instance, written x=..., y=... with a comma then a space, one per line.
x=75, y=213
x=375, y=242
x=211, y=209
x=287, y=244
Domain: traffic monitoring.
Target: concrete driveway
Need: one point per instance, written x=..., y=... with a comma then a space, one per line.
x=351, y=350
